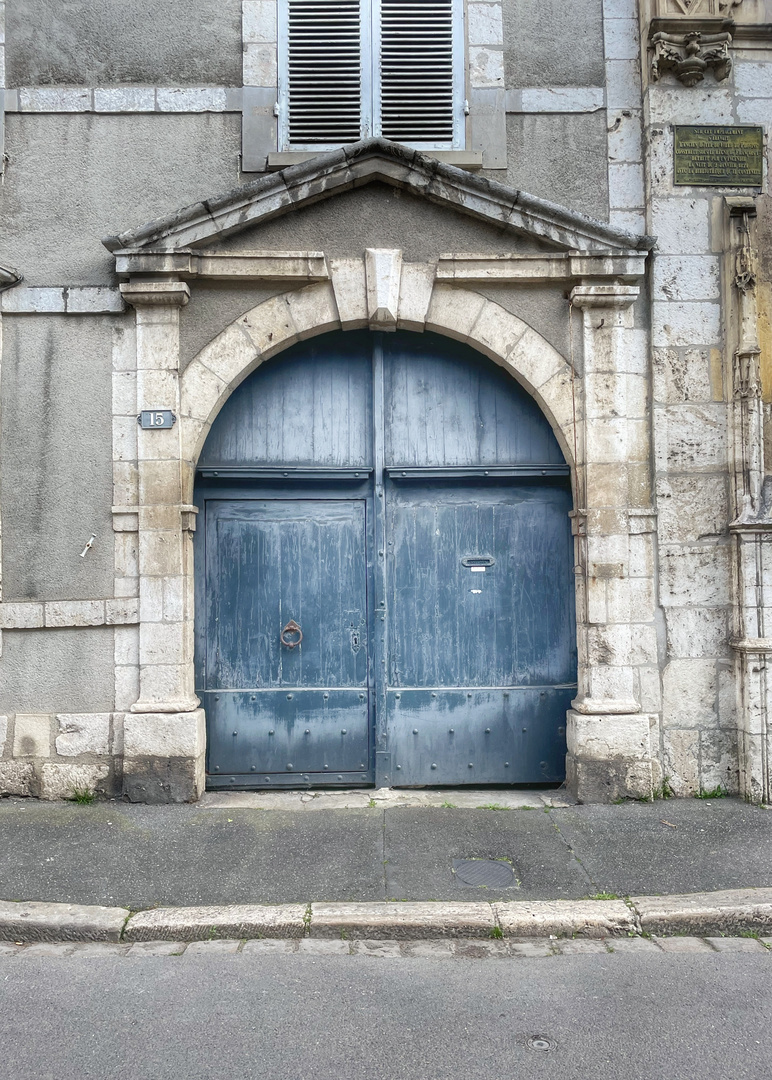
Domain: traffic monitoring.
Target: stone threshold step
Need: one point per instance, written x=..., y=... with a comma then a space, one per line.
x=383, y=798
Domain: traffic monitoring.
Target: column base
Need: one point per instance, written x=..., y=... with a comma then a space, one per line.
x=164, y=757
x=611, y=757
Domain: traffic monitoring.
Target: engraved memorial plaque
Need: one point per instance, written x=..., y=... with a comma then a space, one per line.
x=708, y=155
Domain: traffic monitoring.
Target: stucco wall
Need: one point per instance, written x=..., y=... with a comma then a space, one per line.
x=553, y=43
x=72, y=179
x=55, y=457
x=57, y=671
x=98, y=42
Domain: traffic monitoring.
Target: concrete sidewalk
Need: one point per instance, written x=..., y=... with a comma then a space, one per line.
x=224, y=853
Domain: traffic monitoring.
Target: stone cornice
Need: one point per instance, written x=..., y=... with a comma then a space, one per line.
x=375, y=160
x=564, y=266
x=298, y=266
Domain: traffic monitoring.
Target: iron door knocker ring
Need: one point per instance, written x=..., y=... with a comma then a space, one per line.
x=291, y=628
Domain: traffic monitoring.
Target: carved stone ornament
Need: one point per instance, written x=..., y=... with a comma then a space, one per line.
x=696, y=7
x=690, y=55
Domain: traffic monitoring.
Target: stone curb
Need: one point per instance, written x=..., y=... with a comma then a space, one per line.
x=231, y=921
x=732, y=911
x=60, y=922
x=395, y=921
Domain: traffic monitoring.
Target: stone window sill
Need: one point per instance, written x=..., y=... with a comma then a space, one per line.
x=470, y=160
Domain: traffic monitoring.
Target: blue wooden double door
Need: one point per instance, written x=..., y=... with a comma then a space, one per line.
x=384, y=586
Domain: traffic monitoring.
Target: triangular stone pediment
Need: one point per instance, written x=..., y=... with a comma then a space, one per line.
x=210, y=222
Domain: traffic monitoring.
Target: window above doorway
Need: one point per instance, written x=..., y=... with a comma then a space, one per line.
x=351, y=69
x=321, y=74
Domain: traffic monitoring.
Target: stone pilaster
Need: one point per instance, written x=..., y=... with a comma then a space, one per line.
x=164, y=730
x=611, y=738
x=751, y=527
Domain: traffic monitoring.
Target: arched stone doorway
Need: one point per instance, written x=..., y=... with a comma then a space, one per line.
x=384, y=572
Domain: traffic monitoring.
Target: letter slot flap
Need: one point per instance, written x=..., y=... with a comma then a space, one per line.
x=477, y=563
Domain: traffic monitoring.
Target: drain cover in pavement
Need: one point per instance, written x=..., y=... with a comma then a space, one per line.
x=493, y=873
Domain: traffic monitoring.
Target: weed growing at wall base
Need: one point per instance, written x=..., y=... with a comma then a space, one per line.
x=83, y=796
x=718, y=792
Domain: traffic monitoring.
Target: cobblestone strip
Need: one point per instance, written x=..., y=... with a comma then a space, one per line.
x=458, y=949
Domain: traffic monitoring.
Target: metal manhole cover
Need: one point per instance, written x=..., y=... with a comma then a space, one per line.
x=491, y=873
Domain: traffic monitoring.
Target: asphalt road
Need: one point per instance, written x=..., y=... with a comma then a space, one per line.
x=301, y=1017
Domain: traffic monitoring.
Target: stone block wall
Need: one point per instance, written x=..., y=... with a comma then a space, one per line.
x=61, y=756
x=693, y=307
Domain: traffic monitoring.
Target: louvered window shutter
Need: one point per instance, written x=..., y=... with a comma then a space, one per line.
x=324, y=68
x=353, y=68
x=414, y=47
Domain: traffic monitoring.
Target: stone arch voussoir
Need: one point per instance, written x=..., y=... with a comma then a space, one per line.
x=285, y=319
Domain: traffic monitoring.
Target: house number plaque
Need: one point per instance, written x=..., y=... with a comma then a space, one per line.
x=707, y=155
x=156, y=419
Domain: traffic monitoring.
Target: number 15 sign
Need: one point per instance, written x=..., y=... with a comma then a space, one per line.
x=156, y=419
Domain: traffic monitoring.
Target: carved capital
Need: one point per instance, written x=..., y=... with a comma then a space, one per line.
x=188, y=517
x=604, y=296
x=155, y=293
x=689, y=56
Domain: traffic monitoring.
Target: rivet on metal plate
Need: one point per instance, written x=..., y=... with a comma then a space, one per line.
x=343, y=731
x=399, y=766
x=471, y=764
x=487, y=731
x=434, y=765
x=235, y=732
x=254, y=768
x=308, y=731
x=415, y=730
x=451, y=731
x=289, y=766
x=270, y=732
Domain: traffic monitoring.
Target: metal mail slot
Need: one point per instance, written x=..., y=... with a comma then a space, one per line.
x=478, y=563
